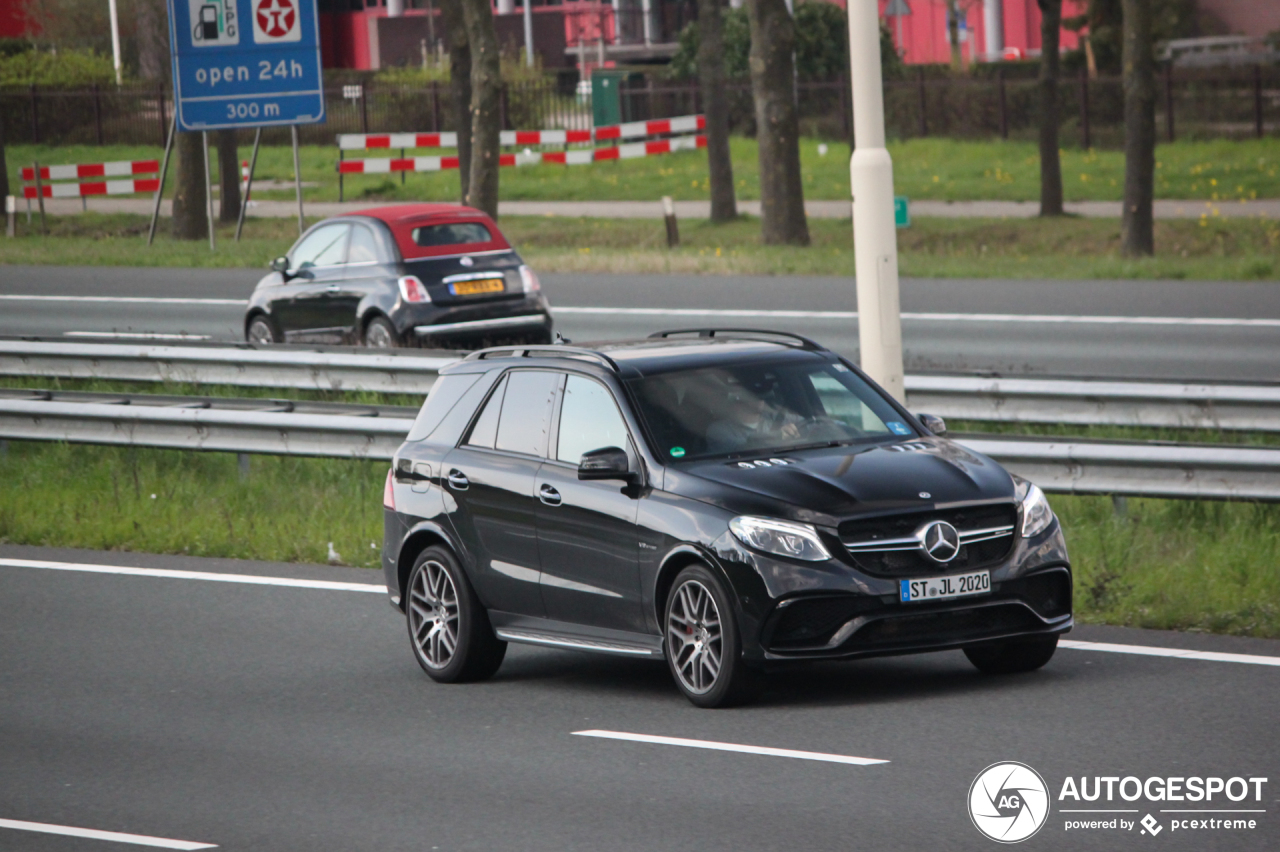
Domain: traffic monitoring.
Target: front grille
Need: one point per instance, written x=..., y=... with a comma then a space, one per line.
x=944, y=627
x=1048, y=592
x=902, y=563
x=810, y=622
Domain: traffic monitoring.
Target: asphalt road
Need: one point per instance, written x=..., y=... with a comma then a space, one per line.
x=271, y=718
x=1152, y=329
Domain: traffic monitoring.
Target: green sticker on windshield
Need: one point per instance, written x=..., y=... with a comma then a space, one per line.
x=677, y=451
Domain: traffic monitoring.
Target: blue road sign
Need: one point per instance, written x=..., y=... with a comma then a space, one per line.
x=246, y=63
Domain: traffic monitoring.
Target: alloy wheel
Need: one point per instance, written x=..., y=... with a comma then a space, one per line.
x=695, y=642
x=433, y=615
x=378, y=336
x=260, y=333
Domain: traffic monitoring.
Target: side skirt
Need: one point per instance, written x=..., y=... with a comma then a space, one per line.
x=528, y=630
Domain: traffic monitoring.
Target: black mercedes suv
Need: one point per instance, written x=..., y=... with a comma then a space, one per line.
x=728, y=500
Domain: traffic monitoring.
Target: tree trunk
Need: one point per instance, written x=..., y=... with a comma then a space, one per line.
x=777, y=127
x=190, y=216
x=953, y=35
x=459, y=86
x=716, y=106
x=486, y=81
x=1050, y=164
x=151, y=19
x=1137, y=235
x=228, y=176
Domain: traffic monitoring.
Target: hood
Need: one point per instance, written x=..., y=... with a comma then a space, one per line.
x=827, y=485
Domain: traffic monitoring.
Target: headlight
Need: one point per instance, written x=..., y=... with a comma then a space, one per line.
x=1036, y=514
x=784, y=538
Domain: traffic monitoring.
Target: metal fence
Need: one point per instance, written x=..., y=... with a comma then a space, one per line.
x=1233, y=102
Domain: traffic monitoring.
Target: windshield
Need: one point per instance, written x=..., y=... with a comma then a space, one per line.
x=762, y=408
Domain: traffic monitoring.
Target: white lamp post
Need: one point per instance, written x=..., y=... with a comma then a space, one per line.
x=115, y=40
x=875, y=238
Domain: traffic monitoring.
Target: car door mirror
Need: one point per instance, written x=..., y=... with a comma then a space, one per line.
x=933, y=423
x=281, y=265
x=606, y=463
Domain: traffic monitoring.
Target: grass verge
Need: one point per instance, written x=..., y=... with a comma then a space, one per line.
x=1070, y=247
x=932, y=169
x=1167, y=564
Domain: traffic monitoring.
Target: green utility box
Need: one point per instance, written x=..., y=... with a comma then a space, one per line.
x=606, y=96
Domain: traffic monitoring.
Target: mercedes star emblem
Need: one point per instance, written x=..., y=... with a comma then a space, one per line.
x=939, y=541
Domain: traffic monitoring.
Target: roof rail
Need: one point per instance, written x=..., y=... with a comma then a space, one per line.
x=805, y=343
x=551, y=350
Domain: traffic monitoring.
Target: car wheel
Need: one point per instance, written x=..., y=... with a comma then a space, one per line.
x=380, y=334
x=703, y=647
x=1012, y=656
x=448, y=628
x=261, y=332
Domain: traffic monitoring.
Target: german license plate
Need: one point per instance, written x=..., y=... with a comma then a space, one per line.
x=942, y=588
x=482, y=285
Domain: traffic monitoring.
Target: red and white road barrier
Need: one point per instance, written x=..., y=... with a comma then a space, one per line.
x=88, y=170
x=510, y=138
x=386, y=165
x=79, y=171
x=108, y=187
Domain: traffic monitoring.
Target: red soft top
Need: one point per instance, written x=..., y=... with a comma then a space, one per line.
x=403, y=218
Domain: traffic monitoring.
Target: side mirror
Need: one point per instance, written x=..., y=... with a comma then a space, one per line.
x=606, y=463
x=281, y=265
x=933, y=423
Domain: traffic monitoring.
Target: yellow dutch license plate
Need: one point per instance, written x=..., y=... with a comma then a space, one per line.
x=473, y=288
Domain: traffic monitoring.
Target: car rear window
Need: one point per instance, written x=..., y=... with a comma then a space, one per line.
x=453, y=234
x=432, y=237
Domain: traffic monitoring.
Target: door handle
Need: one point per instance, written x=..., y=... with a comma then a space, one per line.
x=332, y=288
x=549, y=495
x=458, y=480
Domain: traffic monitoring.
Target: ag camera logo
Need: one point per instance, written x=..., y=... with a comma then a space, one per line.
x=1008, y=802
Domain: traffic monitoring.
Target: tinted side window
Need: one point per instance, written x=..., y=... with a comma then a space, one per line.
x=526, y=412
x=589, y=420
x=444, y=395
x=486, y=428
x=325, y=246
x=363, y=247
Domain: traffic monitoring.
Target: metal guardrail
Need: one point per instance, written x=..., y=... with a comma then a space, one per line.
x=1098, y=403
x=1080, y=402
x=1079, y=467
x=243, y=366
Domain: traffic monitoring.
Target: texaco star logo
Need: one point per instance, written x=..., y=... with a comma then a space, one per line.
x=276, y=17
x=939, y=541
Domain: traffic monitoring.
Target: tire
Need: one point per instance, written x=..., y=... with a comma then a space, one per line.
x=262, y=331
x=702, y=642
x=449, y=630
x=1012, y=656
x=379, y=333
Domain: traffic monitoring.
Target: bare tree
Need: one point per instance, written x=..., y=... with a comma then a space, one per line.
x=190, y=216
x=459, y=85
x=4, y=170
x=228, y=176
x=772, y=66
x=953, y=35
x=1137, y=224
x=716, y=107
x=1050, y=164
x=151, y=19
x=486, y=82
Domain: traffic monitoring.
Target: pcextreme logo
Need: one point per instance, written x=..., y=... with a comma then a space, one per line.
x=1010, y=802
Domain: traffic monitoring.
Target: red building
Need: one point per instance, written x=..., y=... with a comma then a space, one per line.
x=990, y=29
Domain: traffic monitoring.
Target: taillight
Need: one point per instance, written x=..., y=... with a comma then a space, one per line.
x=389, y=491
x=411, y=289
x=530, y=280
